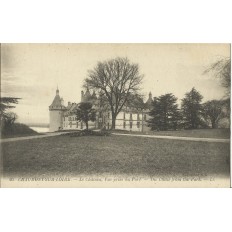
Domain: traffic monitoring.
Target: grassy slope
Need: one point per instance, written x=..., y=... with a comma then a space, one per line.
x=64, y=155
x=18, y=130
x=199, y=133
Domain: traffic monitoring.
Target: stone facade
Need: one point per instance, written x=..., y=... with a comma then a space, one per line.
x=56, y=113
x=131, y=118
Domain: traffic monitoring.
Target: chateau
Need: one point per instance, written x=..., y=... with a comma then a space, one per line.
x=132, y=117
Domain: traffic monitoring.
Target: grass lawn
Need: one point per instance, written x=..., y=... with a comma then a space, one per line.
x=198, y=133
x=114, y=155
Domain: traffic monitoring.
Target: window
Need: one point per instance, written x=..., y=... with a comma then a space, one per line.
x=70, y=124
x=130, y=125
x=108, y=114
x=124, y=115
x=145, y=117
x=81, y=125
x=130, y=116
x=124, y=125
x=138, y=124
x=138, y=116
x=77, y=124
x=108, y=125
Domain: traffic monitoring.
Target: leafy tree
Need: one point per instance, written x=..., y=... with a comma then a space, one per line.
x=5, y=104
x=164, y=114
x=213, y=112
x=118, y=79
x=10, y=119
x=191, y=109
x=85, y=113
x=222, y=70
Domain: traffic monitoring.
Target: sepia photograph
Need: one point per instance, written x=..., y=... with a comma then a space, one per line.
x=115, y=115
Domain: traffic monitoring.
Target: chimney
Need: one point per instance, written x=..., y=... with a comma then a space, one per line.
x=62, y=101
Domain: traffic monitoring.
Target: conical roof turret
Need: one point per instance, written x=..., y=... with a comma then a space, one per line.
x=149, y=100
x=57, y=102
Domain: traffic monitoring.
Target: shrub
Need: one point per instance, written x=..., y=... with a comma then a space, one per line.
x=88, y=133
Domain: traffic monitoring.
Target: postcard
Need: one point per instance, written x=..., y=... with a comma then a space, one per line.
x=115, y=115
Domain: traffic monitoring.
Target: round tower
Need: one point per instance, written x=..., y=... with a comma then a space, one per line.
x=56, y=112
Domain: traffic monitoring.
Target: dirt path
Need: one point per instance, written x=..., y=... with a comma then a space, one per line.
x=178, y=138
x=146, y=136
x=31, y=137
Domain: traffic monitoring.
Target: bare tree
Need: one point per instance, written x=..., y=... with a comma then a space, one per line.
x=118, y=79
x=222, y=70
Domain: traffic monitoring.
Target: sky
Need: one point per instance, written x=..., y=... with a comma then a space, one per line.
x=33, y=71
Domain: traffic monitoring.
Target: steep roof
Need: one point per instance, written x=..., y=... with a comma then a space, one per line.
x=70, y=109
x=135, y=101
x=87, y=97
x=57, y=102
x=149, y=101
x=94, y=96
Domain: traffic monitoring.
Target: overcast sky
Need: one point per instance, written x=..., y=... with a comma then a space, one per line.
x=33, y=71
